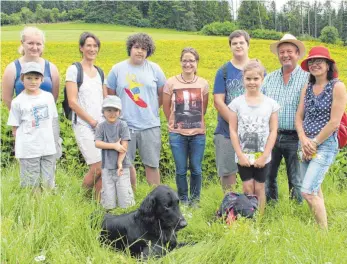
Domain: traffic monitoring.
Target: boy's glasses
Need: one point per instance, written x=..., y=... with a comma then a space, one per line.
x=315, y=61
x=185, y=62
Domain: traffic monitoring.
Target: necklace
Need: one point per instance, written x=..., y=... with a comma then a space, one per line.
x=192, y=81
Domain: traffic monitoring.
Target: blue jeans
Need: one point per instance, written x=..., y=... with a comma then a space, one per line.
x=184, y=148
x=286, y=147
x=314, y=171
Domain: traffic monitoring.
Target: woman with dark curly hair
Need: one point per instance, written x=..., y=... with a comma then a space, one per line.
x=139, y=83
x=318, y=117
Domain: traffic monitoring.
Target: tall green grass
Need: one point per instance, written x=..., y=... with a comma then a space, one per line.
x=58, y=226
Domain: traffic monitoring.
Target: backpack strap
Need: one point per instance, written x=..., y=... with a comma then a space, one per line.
x=47, y=69
x=101, y=73
x=224, y=69
x=79, y=82
x=18, y=68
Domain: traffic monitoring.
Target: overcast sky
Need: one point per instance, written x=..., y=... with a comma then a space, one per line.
x=280, y=3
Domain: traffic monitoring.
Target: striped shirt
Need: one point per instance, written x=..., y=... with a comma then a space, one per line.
x=287, y=95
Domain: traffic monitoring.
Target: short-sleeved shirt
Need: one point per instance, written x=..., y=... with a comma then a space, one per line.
x=111, y=133
x=232, y=87
x=137, y=87
x=90, y=94
x=187, y=101
x=253, y=123
x=317, y=108
x=287, y=95
x=33, y=115
x=46, y=84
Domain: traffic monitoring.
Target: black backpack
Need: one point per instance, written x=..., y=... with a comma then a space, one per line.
x=65, y=103
x=238, y=204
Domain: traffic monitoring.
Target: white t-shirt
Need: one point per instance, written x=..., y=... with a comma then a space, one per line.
x=253, y=125
x=90, y=94
x=33, y=115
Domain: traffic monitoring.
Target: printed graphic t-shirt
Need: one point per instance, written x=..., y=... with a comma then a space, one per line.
x=137, y=87
x=187, y=100
x=111, y=133
x=231, y=88
x=33, y=115
x=253, y=123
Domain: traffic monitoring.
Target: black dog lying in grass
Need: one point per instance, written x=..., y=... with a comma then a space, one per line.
x=150, y=230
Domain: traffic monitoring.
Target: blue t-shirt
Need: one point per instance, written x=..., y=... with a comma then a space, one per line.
x=137, y=87
x=46, y=85
x=232, y=88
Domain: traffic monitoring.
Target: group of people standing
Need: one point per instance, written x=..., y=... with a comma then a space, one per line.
x=261, y=119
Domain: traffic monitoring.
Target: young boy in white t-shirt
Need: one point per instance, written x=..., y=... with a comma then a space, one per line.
x=31, y=117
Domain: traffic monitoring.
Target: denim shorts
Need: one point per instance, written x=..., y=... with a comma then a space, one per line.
x=314, y=171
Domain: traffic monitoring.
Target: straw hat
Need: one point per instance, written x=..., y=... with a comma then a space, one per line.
x=288, y=38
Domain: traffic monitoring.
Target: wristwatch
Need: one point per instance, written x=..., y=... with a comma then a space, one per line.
x=315, y=141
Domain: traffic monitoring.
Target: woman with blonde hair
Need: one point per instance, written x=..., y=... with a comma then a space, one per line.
x=185, y=100
x=31, y=49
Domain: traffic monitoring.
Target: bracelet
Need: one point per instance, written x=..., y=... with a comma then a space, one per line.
x=314, y=140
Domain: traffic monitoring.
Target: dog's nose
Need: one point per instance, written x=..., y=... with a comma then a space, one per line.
x=183, y=223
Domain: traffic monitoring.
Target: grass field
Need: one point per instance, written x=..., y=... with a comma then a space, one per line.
x=57, y=225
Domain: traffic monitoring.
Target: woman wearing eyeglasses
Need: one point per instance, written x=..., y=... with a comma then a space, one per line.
x=321, y=107
x=185, y=100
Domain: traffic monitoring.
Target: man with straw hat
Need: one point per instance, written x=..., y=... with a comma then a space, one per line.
x=284, y=85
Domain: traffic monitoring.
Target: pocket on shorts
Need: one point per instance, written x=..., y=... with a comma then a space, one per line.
x=324, y=157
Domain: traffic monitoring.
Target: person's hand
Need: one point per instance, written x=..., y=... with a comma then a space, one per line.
x=260, y=162
x=120, y=169
x=118, y=146
x=306, y=156
x=308, y=146
x=93, y=123
x=243, y=161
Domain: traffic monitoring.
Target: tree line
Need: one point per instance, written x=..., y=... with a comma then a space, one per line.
x=300, y=18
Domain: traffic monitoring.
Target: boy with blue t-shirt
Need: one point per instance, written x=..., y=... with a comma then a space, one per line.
x=116, y=186
x=31, y=117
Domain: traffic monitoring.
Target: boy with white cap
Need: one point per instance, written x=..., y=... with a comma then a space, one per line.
x=31, y=117
x=116, y=186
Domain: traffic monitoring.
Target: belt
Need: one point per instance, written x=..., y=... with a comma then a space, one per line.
x=287, y=132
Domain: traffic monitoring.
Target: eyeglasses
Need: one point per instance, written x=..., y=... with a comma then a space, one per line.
x=185, y=62
x=315, y=61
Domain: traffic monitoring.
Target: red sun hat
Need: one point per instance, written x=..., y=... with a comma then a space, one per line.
x=317, y=52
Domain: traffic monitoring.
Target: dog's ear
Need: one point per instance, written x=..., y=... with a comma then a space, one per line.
x=147, y=208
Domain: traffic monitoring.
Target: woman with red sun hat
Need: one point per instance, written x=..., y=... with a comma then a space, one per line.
x=322, y=104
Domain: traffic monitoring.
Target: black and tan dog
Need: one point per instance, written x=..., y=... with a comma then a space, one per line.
x=150, y=230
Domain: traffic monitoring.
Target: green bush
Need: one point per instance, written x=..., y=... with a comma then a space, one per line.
x=266, y=34
x=307, y=37
x=218, y=29
x=329, y=35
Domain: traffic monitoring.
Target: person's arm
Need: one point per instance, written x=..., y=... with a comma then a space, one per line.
x=167, y=105
x=121, y=157
x=8, y=79
x=55, y=81
x=261, y=161
x=111, y=83
x=337, y=109
x=104, y=90
x=115, y=146
x=160, y=96
x=205, y=100
x=308, y=147
x=14, y=131
x=72, y=95
x=232, y=120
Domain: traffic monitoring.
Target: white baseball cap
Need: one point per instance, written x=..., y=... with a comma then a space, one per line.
x=112, y=101
x=32, y=67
